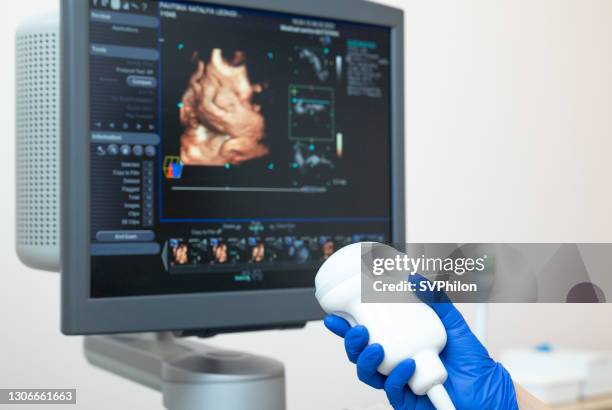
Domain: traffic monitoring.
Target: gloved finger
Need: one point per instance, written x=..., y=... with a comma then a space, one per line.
x=355, y=341
x=367, y=366
x=397, y=391
x=337, y=325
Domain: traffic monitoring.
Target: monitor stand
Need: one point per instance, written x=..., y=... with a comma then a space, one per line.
x=191, y=375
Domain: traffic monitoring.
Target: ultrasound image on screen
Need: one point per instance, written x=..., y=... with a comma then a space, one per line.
x=233, y=149
x=258, y=110
x=223, y=125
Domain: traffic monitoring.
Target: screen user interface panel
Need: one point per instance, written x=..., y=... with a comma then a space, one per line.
x=232, y=149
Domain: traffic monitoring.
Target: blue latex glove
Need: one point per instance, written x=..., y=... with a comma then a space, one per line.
x=475, y=380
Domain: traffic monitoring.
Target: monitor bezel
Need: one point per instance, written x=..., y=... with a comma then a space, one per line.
x=82, y=314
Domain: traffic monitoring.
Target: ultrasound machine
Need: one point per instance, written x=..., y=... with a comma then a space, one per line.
x=188, y=166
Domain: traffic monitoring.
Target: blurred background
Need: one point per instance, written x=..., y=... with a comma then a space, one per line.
x=508, y=140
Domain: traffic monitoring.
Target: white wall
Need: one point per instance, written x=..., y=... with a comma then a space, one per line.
x=508, y=132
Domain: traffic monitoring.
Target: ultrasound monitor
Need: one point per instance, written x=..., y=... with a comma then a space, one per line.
x=215, y=154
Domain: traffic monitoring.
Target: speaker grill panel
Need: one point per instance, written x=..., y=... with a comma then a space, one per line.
x=37, y=145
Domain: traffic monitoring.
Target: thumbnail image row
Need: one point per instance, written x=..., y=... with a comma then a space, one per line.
x=197, y=251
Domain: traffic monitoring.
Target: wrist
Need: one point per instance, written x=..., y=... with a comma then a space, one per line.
x=526, y=401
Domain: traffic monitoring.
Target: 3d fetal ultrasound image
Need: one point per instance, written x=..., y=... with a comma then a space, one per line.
x=222, y=124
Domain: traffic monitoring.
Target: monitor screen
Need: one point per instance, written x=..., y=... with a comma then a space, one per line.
x=232, y=149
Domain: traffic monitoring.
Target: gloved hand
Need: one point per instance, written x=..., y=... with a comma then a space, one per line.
x=475, y=380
